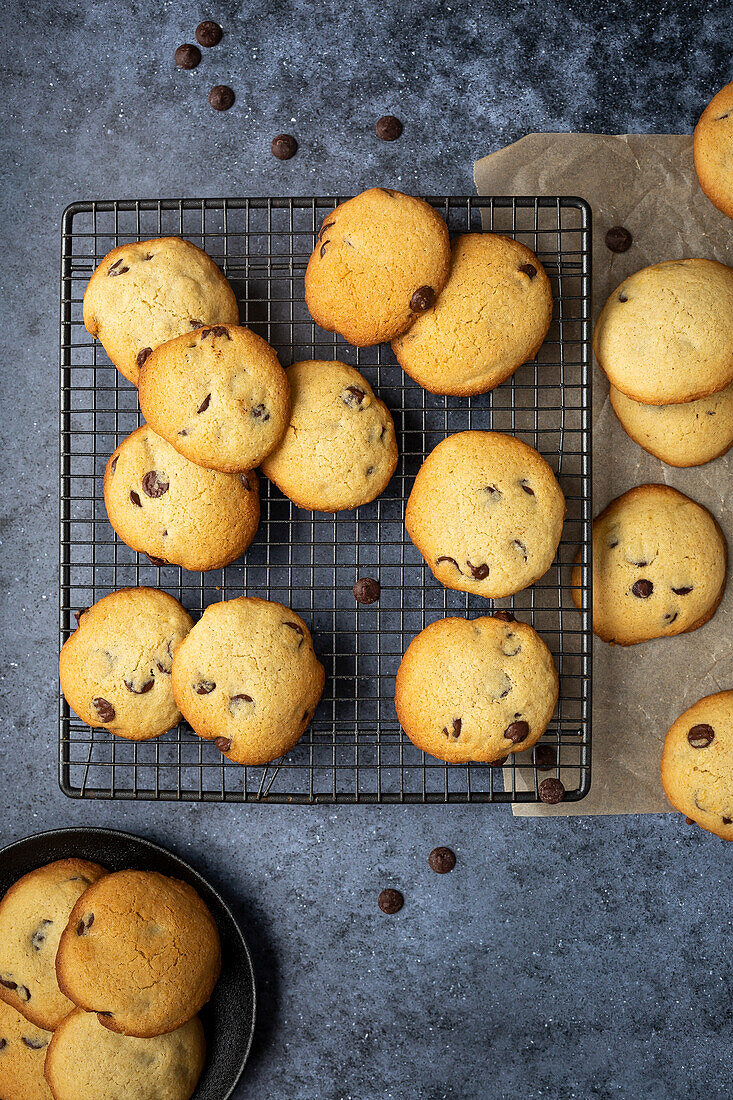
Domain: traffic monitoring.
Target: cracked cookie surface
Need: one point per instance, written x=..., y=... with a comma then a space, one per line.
x=23, y=1049
x=713, y=150
x=142, y=951
x=115, y=669
x=486, y=513
x=147, y=292
x=689, y=434
x=247, y=678
x=697, y=764
x=492, y=686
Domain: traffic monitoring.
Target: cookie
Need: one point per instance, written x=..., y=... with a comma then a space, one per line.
x=486, y=513
x=23, y=1049
x=115, y=669
x=33, y=914
x=142, y=951
x=218, y=395
x=167, y=507
x=659, y=566
x=380, y=260
x=712, y=146
x=665, y=335
x=697, y=764
x=247, y=678
x=147, y=292
x=492, y=315
x=688, y=434
x=340, y=449
x=86, y=1060
x=493, y=688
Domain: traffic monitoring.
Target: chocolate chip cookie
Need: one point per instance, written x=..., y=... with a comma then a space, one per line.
x=492, y=688
x=381, y=259
x=713, y=150
x=247, y=678
x=23, y=1049
x=486, y=513
x=697, y=764
x=665, y=335
x=659, y=566
x=218, y=395
x=142, y=951
x=33, y=914
x=147, y=292
x=492, y=315
x=115, y=669
x=163, y=505
x=689, y=434
x=340, y=449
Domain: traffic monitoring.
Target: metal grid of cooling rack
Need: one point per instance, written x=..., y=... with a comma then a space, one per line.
x=354, y=750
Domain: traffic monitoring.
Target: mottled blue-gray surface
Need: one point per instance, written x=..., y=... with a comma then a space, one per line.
x=562, y=958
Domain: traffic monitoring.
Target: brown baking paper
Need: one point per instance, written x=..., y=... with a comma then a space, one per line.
x=646, y=183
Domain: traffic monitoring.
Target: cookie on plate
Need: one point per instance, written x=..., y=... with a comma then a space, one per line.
x=380, y=260
x=85, y=1059
x=689, y=434
x=142, y=951
x=33, y=914
x=247, y=678
x=115, y=669
x=493, y=688
x=340, y=449
x=697, y=764
x=147, y=292
x=659, y=566
x=492, y=315
x=665, y=335
x=486, y=513
x=167, y=507
x=23, y=1049
x=712, y=147
x=218, y=395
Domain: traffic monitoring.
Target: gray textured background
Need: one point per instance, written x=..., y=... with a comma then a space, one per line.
x=565, y=958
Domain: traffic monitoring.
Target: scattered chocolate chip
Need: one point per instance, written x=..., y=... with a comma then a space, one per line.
x=643, y=589
x=367, y=590
x=183, y=431
x=117, y=268
x=221, y=98
x=516, y=732
x=324, y=227
x=135, y=498
x=187, y=56
x=498, y=763
x=618, y=239
x=689, y=821
x=162, y=668
x=353, y=396
x=493, y=492
x=85, y=924
x=104, y=709
x=727, y=820
x=323, y=248
x=142, y=356
x=452, y=560
x=422, y=299
x=369, y=471
x=551, y=791
x=479, y=572
x=35, y=1044
x=442, y=860
x=527, y=488
x=701, y=735
x=246, y=482
x=215, y=331
x=455, y=731
x=622, y=298
x=545, y=757
x=223, y=744
x=390, y=901
x=3, y=1044
x=156, y=561
x=113, y=464
x=7, y=984
x=204, y=687
x=195, y=323
x=284, y=146
x=204, y=404
x=208, y=33
x=528, y=269
x=504, y=616
x=39, y=936
x=719, y=118
x=670, y=617
x=612, y=543
x=642, y=564
x=511, y=645
x=23, y=993
x=147, y=686
x=388, y=128
x=242, y=698
x=154, y=484
x=682, y=591
x=520, y=547
x=298, y=630
x=259, y=412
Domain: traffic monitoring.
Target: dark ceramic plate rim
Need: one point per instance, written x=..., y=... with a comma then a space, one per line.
x=79, y=832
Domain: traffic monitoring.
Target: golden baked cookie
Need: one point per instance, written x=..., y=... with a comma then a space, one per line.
x=492, y=315
x=665, y=335
x=247, y=678
x=688, y=434
x=33, y=914
x=486, y=513
x=142, y=951
x=697, y=764
x=712, y=147
x=23, y=1049
x=340, y=449
x=476, y=689
x=659, y=566
x=147, y=292
x=115, y=669
x=163, y=505
x=218, y=395
x=380, y=260
x=88, y=1062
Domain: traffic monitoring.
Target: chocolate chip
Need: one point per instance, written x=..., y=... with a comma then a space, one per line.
x=682, y=591
x=442, y=860
x=367, y=590
x=142, y=356
x=455, y=732
x=551, y=791
x=7, y=984
x=520, y=547
x=618, y=239
x=422, y=299
x=353, y=396
x=689, y=821
x=545, y=757
x=113, y=464
x=35, y=1044
x=208, y=33
x=498, y=763
x=104, y=709
x=493, y=492
x=622, y=298
x=221, y=98
x=516, y=732
x=701, y=735
x=147, y=686
x=3, y=1044
x=204, y=687
x=388, y=128
x=195, y=323
x=85, y=924
x=135, y=498
x=284, y=146
x=238, y=699
x=324, y=227
x=215, y=331
x=223, y=744
x=156, y=561
x=504, y=616
x=23, y=993
x=298, y=630
x=187, y=56
x=323, y=248
x=527, y=488
x=390, y=901
x=452, y=560
x=154, y=484
x=670, y=617
x=117, y=268
x=204, y=404
x=259, y=412
x=39, y=936
x=246, y=482
x=528, y=269
x=643, y=589
x=727, y=820
x=480, y=572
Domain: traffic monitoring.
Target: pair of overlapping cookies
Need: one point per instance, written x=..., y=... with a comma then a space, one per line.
x=101, y=980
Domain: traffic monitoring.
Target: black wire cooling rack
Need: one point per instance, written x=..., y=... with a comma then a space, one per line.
x=354, y=751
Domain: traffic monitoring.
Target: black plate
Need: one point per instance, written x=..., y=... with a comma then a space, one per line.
x=229, y=1017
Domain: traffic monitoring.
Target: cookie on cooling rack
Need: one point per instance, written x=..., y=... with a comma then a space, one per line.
x=340, y=449
x=486, y=513
x=380, y=260
x=33, y=914
x=697, y=764
x=23, y=1049
x=659, y=566
x=163, y=505
x=688, y=434
x=218, y=395
x=246, y=678
x=713, y=150
x=493, y=688
x=491, y=316
x=115, y=669
x=147, y=292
